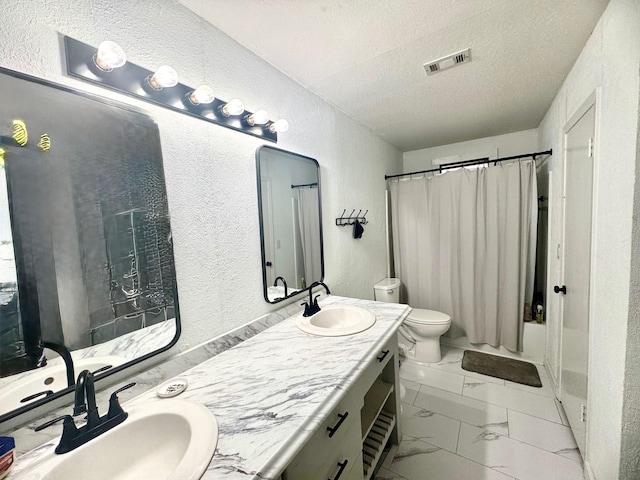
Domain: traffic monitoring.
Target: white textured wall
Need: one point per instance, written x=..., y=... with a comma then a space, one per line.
x=507, y=145
x=630, y=450
x=210, y=170
x=610, y=60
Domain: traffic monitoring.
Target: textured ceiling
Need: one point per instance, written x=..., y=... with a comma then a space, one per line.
x=366, y=56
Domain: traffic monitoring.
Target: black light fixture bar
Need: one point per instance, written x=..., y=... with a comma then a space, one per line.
x=131, y=80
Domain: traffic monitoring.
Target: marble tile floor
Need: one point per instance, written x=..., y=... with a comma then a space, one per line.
x=459, y=425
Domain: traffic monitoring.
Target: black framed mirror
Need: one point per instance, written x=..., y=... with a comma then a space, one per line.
x=86, y=257
x=290, y=214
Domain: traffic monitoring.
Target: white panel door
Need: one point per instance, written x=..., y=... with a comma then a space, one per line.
x=576, y=271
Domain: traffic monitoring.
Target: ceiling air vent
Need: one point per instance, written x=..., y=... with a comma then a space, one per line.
x=447, y=62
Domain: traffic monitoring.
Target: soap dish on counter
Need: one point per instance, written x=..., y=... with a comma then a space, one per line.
x=172, y=388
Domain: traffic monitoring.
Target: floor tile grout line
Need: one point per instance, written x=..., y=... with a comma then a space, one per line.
x=505, y=384
x=510, y=438
x=438, y=388
x=530, y=444
x=460, y=456
x=508, y=435
x=458, y=439
x=450, y=418
x=483, y=465
x=489, y=403
x=520, y=411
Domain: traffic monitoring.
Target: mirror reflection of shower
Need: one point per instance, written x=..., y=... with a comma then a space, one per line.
x=135, y=252
x=306, y=228
x=291, y=228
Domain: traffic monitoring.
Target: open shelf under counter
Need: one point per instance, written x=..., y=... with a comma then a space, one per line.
x=374, y=401
x=377, y=438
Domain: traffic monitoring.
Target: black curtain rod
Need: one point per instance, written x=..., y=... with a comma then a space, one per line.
x=305, y=185
x=475, y=161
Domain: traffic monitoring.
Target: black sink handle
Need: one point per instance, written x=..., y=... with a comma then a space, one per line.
x=115, y=410
x=66, y=418
x=45, y=393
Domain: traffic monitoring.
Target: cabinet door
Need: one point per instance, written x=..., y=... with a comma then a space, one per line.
x=337, y=439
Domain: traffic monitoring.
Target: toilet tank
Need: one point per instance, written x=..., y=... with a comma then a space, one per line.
x=387, y=290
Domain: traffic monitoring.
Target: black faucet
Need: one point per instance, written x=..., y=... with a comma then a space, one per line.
x=275, y=283
x=66, y=357
x=312, y=307
x=85, y=401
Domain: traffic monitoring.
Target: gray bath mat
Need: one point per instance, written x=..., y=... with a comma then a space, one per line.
x=501, y=367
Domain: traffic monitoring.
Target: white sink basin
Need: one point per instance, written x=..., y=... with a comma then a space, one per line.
x=161, y=440
x=51, y=377
x=337, y=320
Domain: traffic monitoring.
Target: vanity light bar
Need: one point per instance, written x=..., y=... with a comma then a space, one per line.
x=109, y=68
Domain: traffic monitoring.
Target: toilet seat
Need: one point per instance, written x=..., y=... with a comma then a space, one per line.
x=421, y=316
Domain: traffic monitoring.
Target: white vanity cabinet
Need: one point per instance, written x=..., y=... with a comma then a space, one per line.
x=350, y=442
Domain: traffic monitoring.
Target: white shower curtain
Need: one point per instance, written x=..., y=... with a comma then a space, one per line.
x=309, y=222
x=464, y=244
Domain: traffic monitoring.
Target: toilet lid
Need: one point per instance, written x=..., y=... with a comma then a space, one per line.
x=421, y=315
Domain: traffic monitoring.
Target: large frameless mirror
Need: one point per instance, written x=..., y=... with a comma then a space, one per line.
x=87, y=276
x=290, y=222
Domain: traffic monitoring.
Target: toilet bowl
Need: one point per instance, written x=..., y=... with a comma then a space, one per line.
x=425, y=327
x=422, y=328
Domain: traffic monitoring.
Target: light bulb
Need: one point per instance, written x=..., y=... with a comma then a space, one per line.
x=164, y=77
x=259, y=118
x=279, y=126
x=232, y=107
x=202, y=94
x=110, y=55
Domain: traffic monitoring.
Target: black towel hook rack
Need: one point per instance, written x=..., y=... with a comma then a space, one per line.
x=343, y=221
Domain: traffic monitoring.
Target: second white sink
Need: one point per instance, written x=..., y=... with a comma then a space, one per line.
x=337, y=320
x=160, y=440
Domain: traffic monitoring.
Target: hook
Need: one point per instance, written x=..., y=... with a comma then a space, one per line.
x=358, y=216
x=340, y=222
x=351, y=215
x=364, y=218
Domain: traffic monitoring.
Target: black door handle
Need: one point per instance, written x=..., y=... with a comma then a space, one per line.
x=382, y=356
x=562, y=289
x=268, y=264
x=333, y=430
x=342, y=466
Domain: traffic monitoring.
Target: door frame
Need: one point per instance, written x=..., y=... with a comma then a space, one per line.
x=592, y=100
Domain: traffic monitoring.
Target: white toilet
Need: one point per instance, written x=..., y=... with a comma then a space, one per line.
x=422, y=327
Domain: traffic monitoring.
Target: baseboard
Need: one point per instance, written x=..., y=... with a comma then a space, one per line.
x=552, y=378
x=462, y=342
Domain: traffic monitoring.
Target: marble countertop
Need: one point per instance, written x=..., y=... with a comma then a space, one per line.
x=128, y=347
x=271, y=392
